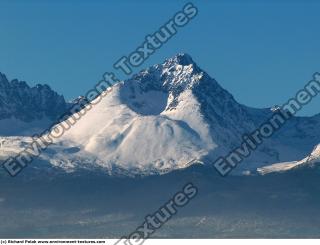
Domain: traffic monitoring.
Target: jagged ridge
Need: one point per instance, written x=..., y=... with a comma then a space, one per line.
x=166, y=116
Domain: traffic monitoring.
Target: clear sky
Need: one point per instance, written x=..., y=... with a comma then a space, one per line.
x=262, y=52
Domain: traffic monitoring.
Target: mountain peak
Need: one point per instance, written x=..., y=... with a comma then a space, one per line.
x=183, y=59
x=3, y=77
x=20, y=101
x=179, y=71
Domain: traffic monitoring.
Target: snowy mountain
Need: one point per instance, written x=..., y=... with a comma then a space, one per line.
x=308, y=161
x=25, y=110
x=167, y=117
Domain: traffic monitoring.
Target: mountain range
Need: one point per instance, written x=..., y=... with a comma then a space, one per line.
x=167, y=117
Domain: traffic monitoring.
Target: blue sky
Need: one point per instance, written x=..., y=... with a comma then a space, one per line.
x=262, y=52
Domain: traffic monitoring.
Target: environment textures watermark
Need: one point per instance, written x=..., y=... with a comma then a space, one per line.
x=156, y=40
x=224, y=165
x=155, y=221
x=14, y=165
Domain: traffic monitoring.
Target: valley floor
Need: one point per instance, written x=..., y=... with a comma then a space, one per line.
x=87, y=205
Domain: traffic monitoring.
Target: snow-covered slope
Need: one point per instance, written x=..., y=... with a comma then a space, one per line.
x=310, y=160
x=167, y=117
x=152, y=122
